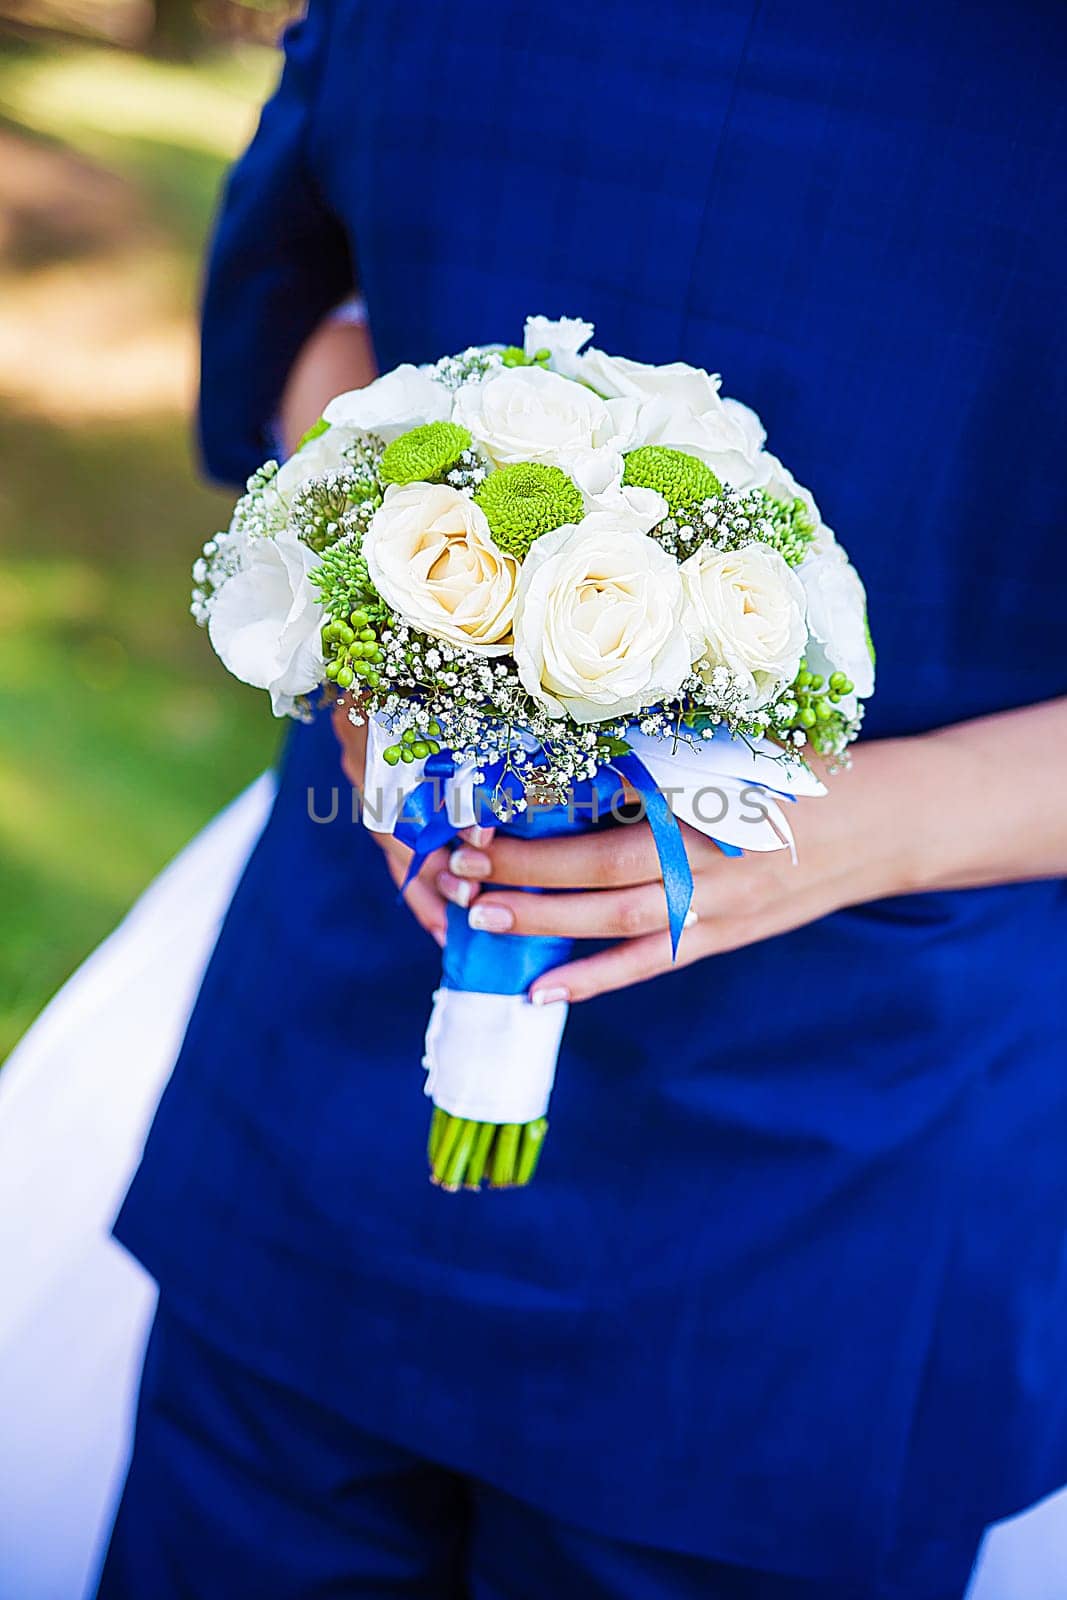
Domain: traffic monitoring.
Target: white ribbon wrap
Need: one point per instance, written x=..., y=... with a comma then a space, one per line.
x=492, y=1057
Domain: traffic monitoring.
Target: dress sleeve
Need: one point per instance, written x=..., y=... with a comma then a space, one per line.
x=279, y=261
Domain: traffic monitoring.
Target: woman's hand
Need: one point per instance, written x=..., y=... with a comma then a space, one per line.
x=848, y=845
x=953, y=809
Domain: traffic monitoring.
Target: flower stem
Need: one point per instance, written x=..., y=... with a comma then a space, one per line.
x=446, y=1144
x=457, y=1165
x=502, y=1168
x=480, y=1154
x=533, y=1138
x=438, y=1122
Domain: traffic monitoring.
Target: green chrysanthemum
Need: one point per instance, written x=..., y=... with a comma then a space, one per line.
x=678, y=477
x=523, y=501
x=425, y=454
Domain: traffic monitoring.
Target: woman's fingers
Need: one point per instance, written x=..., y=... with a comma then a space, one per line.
x=610, y=858
x=624, y=964
x=603, y=914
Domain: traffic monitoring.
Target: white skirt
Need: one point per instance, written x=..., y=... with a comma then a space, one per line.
x=76, y=1099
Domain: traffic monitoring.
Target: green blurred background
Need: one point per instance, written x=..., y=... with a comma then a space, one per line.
x=119, y=732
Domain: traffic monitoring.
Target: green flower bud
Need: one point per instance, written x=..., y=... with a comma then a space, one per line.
x=425, y=454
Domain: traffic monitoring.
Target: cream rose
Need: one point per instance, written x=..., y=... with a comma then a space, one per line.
x=528, y=414
x=265, y=622
x=600, y=621
x=749, y=610
x=431, y=557
x=402, y=399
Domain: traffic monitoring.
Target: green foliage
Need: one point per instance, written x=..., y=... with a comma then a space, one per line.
x=119, y=735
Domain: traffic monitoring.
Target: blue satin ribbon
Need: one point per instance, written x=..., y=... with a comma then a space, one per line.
x=667, y=837
x=424, y=826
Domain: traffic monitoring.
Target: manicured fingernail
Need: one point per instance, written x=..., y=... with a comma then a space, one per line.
x=467, y=863
x=691, y=916
x=455, y=889
x=439, y=936
x=477, y=836
x=548, y=997
x=491, y=919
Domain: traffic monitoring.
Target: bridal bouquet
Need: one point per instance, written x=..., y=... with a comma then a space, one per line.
x=563, y=589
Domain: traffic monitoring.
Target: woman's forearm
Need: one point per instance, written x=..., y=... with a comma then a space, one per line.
x=988, y=798
x=338, y=356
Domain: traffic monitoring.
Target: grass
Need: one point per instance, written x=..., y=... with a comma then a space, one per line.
x=119, y=732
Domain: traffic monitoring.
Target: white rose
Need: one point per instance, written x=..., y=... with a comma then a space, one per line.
x=431, y=557
x=601, y=621
x=400, y=400
x=680, y=407
x=749, y=610
x=562, y=339
x=265, y=622
x=598, y=474
x=316, y=459
x=837, y=616
x=528, y=414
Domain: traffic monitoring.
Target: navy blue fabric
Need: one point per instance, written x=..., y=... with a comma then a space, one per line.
x=240, y=1487
x=790, y=1289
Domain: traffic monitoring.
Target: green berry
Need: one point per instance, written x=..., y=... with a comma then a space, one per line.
x=806, y=717
x=391, y=754
x=359, y=618
x=332, y=669
x=409, y=736
x=407, y=755
x=420, y=749
x=344, y=677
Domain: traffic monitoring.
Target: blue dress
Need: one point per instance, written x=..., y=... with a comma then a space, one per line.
x=790, y=1289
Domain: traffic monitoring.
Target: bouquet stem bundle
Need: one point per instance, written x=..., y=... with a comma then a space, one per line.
x=464, y=1154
